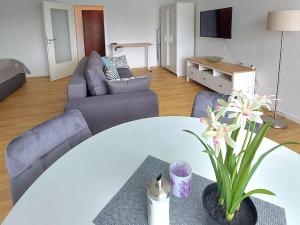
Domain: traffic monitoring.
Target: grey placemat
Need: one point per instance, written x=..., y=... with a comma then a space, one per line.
x=129, y=205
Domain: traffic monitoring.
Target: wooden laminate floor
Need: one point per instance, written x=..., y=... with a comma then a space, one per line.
x=41, y=99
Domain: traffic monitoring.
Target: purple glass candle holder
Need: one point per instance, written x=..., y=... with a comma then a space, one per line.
x=181, y=179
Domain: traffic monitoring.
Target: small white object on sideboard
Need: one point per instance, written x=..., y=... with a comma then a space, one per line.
x=222, y=77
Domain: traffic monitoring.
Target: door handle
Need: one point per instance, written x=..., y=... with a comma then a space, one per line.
x=54, y=39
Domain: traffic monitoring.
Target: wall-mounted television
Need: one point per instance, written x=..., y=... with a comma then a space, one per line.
x=216, y=23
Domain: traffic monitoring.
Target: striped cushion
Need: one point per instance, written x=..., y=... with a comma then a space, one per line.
x=110, y=72
x=110, y=69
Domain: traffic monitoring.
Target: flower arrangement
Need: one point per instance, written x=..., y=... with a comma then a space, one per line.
x=234, y=165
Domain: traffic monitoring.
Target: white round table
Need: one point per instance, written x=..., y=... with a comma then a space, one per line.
x=75, y=188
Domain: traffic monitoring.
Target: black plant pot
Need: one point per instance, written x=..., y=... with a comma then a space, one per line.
x=215, y=214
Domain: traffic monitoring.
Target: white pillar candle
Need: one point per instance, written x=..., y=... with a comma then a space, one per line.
x=181, y=179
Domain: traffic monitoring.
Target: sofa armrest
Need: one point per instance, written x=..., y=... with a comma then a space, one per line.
x=105, y=111
x=77, y=87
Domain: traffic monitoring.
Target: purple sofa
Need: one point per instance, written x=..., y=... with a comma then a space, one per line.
x=108, y=110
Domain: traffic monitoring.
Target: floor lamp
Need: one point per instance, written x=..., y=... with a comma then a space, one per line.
x=286, y=20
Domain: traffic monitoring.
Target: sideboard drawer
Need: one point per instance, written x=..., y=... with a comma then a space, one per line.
x=205, y=78
x=222, y=86
x=193, y=73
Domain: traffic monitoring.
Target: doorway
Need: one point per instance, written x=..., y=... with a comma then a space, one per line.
x=61, y=39
x=90, y=32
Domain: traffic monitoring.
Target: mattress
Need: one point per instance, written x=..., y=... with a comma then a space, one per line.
x=10, y=68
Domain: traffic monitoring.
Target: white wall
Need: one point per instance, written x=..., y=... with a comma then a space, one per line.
x=22, y=29
x=251, y=43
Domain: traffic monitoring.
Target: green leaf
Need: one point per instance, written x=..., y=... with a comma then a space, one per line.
x=247, y=135
x=232, y=164
x=263, y=156
x=251, y=151
x=245, y=182
x=226, y=183
x=236, y=204
x=242, y=180
x=251, y=136
x=229, y=150
x=258, y=191
x=249, y=155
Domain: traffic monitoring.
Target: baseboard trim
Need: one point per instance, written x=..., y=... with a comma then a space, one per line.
x=292, y=118
x=286, y=115
x=35, y=75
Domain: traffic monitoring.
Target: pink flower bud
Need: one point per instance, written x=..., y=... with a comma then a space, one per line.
x=219, y=107
x=202, y=120
x=217, y=140
x=245, y=114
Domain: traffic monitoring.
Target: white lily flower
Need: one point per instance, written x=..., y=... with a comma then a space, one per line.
x=219, y=132
x=247, y=107
x=211, y=120
x=222, y=106
x=242, y=107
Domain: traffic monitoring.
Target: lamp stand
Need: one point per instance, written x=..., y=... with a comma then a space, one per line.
x=277, y=122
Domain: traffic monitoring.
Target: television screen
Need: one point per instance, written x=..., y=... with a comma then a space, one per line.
x=216, y=23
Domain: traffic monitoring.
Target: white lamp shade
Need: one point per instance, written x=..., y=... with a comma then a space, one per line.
x=286, y=20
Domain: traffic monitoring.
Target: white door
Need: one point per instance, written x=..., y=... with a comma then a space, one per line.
x=61, y=39
x=167, y=32
x=168, y=49
x=172, y=36
x=164, y=37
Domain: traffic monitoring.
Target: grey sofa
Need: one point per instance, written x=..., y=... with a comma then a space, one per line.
x=29, y=155
x=105, y=111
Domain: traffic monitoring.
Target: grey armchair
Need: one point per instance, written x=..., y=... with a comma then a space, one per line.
x=204, y=99
x=29, y=155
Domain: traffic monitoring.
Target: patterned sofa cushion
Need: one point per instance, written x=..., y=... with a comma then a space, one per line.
x=129, y=84
x=120, y=62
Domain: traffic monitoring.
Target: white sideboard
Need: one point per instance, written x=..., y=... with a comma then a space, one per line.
x=221, y=77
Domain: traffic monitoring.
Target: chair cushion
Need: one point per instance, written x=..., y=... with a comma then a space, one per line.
x=94, y=75
x=129, y=84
